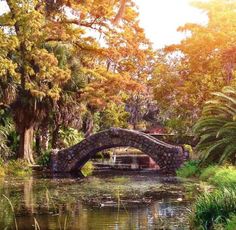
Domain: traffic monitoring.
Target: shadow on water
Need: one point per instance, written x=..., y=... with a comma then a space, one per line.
x=105, y=200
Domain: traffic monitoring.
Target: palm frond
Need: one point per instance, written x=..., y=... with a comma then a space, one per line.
x=217, y=127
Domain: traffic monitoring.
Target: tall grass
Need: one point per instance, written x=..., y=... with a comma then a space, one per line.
x=219, y=175
x=231, y=223
x=214, y=208
x=13, y=211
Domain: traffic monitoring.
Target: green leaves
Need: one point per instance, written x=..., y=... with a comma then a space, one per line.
x=217, y=127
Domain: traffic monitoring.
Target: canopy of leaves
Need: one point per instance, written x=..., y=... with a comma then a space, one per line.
x=204, y=62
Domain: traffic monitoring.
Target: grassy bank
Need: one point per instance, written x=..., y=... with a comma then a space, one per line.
x=217, y=209
x=14, y=168
x=215, y=174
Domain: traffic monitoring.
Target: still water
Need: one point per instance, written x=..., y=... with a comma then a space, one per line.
x=107, y=200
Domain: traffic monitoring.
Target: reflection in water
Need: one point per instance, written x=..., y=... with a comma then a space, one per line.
x=60, y=204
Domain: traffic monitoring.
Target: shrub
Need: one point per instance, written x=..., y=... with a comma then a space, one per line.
x=214, y=208
x=87, y=168
x=44, y=159
x=189, y=169
x=18, y=168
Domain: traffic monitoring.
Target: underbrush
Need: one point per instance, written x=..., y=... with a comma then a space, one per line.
x=44, y=159
x=216, y=209
x=2, y=171
x=189, y=169
x=87, y=169
x=17, y=168
x=231, y=223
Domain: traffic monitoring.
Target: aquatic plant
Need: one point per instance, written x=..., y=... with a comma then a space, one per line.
x=13, y=211
x=214, y=208
x=189, y=169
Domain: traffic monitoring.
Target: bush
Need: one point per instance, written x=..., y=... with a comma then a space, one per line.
x=189, y=169
x=215, y=208
x=17, y=168
x=44, y=159
x=87, y=168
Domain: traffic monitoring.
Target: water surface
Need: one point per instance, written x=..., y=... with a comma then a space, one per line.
x=107, y=200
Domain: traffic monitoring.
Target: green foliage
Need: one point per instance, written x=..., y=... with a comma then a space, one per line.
x=2, y=171
x=87, y=169
x=208, y=172
x=231, y=223
x=17, y=168
x=214, y=208
x=6, y=131
x=217, y=128
x=44, y=159
x=224, y=176
x=70, y=136
x=105, y=154
x=114, y=116
x=189, y=169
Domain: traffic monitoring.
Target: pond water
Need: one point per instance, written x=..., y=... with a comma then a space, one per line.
x=105, y=200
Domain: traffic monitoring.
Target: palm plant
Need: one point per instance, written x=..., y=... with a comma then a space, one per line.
x=6, y=129
x=217, y=128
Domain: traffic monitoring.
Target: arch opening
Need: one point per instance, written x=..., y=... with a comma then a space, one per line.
x=122, y=158
x=167, y=157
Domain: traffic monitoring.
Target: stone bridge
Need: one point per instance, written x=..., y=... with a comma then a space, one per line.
x=168, y=157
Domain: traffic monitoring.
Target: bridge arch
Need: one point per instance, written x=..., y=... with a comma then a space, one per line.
x=168, y=157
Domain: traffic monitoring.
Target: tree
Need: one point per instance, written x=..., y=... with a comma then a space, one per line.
x=35, y=71
x=204, y=62
x=45, y=82
x=114, y=115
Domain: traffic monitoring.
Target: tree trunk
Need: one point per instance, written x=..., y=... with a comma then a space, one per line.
x=26, y=143
x=38, y=144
